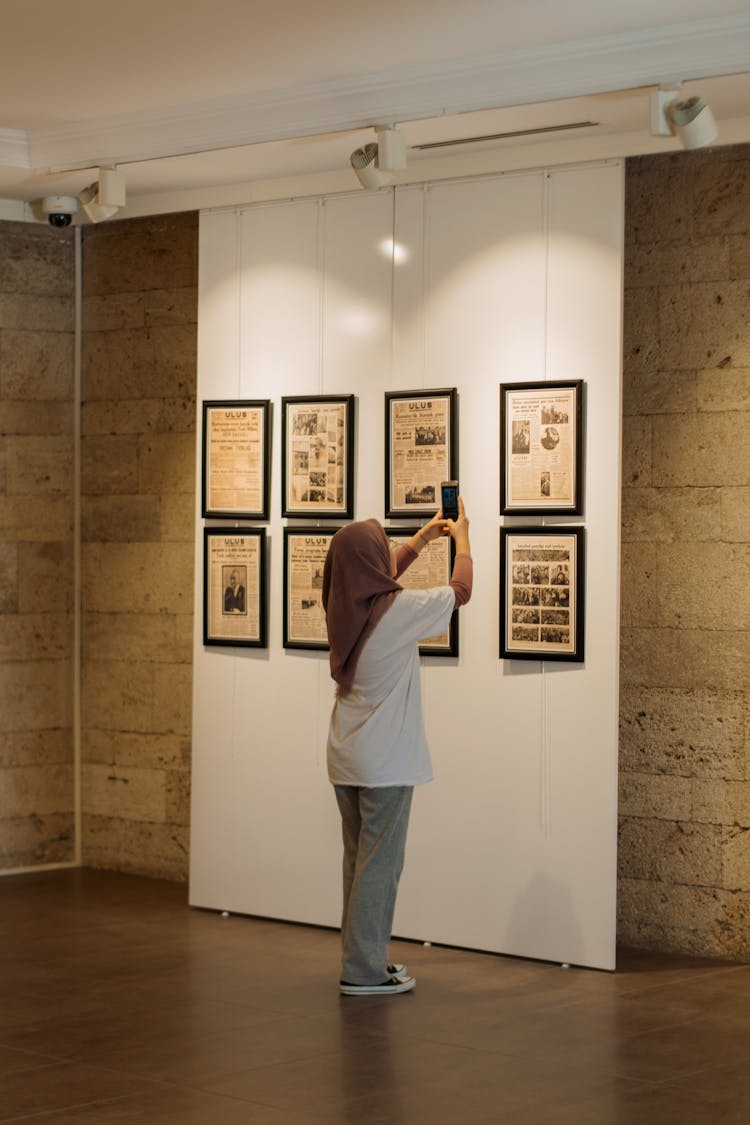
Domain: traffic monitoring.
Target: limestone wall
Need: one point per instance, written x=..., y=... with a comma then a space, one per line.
x=36, y=544
x=138, y=484
x=684, y=854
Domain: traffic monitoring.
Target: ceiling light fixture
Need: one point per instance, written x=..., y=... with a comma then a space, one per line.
x=374, y=162
x=104, y=198
x=691, y=119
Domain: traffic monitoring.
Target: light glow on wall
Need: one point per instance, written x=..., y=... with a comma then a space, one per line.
x=394, y=251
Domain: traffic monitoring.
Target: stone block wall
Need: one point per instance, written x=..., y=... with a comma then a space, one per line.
x=138, y=485
x=37, y=280
x=684, y=857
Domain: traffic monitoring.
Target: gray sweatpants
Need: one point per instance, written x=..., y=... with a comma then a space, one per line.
x=373, y=825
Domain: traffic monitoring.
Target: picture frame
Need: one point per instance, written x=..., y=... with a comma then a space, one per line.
x=541, y=448
x=433, y=567
x=236, y=460
x=305, y=550
x=235, y=587
x=542, y=589
x=421, y=449
x=317, y=457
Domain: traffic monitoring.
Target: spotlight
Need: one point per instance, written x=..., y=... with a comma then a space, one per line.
x=365, y=163
x=374, y=162
x=690, y=120
x=693, y=122
x=105, y=197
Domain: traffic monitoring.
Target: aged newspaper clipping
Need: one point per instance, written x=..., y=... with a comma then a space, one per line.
x=540, y=448
x=316, y=453
x=233, y=587
x=420, y=451
x=541, y=593
x=234, y=442
x=304, y=617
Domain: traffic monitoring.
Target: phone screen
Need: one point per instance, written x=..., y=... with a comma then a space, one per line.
x=449, y=494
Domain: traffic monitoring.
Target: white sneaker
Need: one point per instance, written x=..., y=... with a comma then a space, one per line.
x=394, y=984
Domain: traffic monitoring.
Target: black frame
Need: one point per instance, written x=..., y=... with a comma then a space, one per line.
x=409, y=511
x=400, y=536
x=236, y=640
x=547, y=597
x=542, y=506
x=237, y=406
x=345, y=510
x=291, y=533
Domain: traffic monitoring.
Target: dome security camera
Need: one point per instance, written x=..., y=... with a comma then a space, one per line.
x=59, y=209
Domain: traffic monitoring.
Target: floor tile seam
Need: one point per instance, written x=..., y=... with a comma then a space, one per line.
x=271, y=1066
x=103, y=1068
x=50, y=1110
x=47, y=1060
x=637, y=1086
x=674, y=1081
x=228, y=1076
x=688, y=978
x=238, y=1098
x=376, y=1042
x=439, y=1041
x=735, y=1022
x=694, y=1017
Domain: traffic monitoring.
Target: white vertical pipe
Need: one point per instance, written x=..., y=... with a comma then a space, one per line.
x=77, y=407
x=545, y=749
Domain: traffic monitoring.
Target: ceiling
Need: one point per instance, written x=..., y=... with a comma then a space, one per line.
x=191, y=96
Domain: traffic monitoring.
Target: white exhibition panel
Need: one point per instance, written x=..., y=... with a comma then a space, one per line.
x=503, y=279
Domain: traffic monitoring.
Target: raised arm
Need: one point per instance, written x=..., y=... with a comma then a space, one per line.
x=436, y=527
x=463, y=567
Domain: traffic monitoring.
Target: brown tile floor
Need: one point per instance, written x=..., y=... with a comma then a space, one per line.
x=120, y=1004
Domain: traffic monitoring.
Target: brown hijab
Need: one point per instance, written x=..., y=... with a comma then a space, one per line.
x=357, y=590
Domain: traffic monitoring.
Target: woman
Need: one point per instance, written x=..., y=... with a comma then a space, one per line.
x=377, y=750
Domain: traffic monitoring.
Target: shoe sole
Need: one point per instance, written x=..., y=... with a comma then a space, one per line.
x=388, y=989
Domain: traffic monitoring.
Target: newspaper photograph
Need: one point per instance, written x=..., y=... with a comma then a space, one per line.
x=304, y=559
x=432, y=567
x=235, y=459
x=540, y=447
x=541, y=582
x=420, y=451
x=234, y=609
x=317, y=456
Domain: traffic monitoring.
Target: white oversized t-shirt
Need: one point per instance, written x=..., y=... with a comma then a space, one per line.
x=376, y=737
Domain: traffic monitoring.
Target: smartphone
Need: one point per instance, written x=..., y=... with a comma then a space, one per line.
x=449, y=499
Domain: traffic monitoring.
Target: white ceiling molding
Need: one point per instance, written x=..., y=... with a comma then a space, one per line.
x=704, y=48
x=14, y=148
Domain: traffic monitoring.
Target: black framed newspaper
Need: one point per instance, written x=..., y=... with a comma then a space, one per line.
x=236, y=459
x=317, y=457
x=542, y=592
x=541, y=448
x=305, y=551
x=421, y=449
x=234, y=587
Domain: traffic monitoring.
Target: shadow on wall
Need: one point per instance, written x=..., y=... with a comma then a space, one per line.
x=544, y=909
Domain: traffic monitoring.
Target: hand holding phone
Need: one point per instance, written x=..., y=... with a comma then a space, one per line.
x=449, y=499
